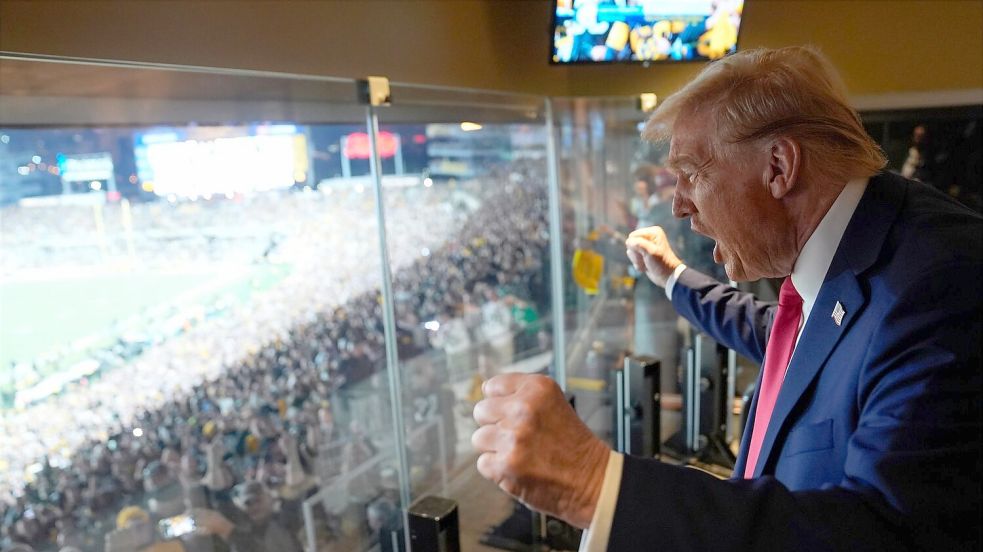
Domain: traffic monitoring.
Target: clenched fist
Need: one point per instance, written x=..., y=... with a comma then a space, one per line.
x=536, y=449
x=650, y=252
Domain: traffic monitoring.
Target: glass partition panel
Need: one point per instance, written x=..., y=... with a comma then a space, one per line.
x=191, y=346
x=470, y=281
x=611, y=184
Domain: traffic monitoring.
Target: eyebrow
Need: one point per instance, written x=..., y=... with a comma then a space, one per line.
x=676, y=161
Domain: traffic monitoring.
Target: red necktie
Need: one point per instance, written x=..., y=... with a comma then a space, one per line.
x=777, y=356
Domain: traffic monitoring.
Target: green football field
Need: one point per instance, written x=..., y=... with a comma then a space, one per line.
x=61, y=313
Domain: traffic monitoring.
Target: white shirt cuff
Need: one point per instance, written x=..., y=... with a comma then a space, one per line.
x=671, y=280
x=596, y=536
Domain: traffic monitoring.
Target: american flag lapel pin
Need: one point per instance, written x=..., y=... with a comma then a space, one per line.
x=838, y=312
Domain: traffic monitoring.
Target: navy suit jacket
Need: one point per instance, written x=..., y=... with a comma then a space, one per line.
x=874, y=443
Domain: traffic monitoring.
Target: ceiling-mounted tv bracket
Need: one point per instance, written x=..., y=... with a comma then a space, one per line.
x=374, y=91
x=647, y=102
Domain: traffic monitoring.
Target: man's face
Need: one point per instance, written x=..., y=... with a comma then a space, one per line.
x=258, y=507
x=918, y=135
x=729, y=201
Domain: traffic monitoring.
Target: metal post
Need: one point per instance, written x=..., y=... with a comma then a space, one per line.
x=127, y=217
x=620, y=442
x=442, y=450
x=730, y=429
x=689, y=400
x=556, y=252
x=398, y=158
x=697, y=390
x=309, y=530
x=626, y=410
x=101, y=232
x=389, y=315
x=346, y=163
x=638, y=405
x=311, y=173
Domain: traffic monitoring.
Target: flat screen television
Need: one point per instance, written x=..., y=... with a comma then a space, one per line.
x=644, y=31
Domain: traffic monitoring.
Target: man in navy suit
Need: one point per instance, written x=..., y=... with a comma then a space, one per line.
x=865, y=431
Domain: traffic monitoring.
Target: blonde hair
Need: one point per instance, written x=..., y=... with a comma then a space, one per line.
x=759, y=94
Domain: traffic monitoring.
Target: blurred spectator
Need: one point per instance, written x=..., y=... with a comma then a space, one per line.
x=496, y=327
x=385, y=521
x=257, y=527
x=920, y=162
x=134, y=531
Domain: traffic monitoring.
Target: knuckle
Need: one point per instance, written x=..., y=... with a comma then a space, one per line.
x=519, y=411
x=540, y=383
x=548, y=388
x=521, y=440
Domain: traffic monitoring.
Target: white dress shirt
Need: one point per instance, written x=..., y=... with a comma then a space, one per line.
x=807, y=277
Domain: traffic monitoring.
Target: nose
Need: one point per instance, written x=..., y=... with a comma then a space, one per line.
x=682, y=207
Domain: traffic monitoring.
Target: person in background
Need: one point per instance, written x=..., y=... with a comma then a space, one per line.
x=258, y=527
x=384, y=519
x=920, y=161
x=134, y=531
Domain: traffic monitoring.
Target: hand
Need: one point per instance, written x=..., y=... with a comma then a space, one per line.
x=535, y=448
x=210, y=522
x=650, y=252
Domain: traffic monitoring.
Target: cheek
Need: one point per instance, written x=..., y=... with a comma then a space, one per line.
x=717, y=212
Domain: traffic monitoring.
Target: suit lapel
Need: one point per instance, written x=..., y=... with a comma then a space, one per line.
x=819, y=338
x=858, y=250
x=741, y=463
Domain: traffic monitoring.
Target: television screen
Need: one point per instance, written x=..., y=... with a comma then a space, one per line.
x=612, y=31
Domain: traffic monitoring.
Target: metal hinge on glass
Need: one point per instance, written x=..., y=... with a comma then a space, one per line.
x=374, y=91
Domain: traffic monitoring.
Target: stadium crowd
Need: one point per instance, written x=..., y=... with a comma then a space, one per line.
x=162, y=234
x=237, y=420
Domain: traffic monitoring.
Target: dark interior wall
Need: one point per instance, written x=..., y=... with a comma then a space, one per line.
x=448, y=42
x=880, y=46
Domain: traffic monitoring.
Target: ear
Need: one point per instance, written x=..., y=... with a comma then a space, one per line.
x=784, y=160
